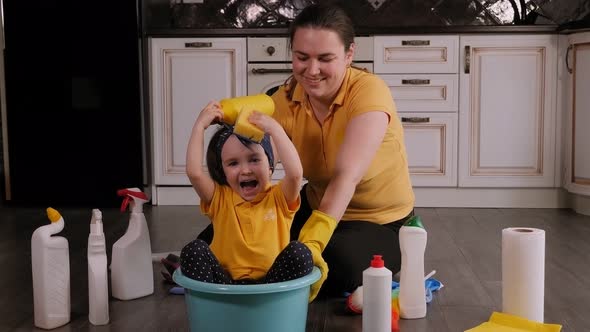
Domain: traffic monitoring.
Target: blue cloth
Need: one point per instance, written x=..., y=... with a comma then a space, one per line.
x=177, y=290
x=430, y=284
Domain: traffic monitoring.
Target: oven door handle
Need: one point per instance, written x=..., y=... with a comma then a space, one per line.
x=262, y=71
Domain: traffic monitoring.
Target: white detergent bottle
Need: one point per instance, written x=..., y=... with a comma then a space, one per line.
x=376, y=294
x=98, y=282
x=132, y=274
x=51, y=274
x=412, y=291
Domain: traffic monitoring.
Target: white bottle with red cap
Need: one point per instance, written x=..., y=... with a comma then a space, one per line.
x=377, y=297
x=132, y=273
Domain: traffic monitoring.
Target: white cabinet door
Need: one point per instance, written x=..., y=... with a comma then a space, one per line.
x=507, y=115
x=431, y=145
x=187, y=73
x=577, y=138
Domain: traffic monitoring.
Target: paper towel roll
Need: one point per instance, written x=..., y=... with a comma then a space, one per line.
x=523, y=272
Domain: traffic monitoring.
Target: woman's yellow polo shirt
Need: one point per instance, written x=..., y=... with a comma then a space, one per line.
x=385, y=193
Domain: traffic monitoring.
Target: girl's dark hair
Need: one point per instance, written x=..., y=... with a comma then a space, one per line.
x=322, y=16
x=214, y=164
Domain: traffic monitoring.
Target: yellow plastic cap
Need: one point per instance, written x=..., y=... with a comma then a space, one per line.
x=53, y=215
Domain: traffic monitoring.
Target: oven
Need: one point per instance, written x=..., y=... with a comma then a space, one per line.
x=269, y=62
x=269, y=66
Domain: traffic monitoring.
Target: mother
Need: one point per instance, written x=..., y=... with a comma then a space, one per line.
x=344, y=124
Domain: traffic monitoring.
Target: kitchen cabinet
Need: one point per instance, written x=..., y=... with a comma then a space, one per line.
x=185, y=74
x=577, y=119
x=479, y=111
x=507, y=111
x=421, y=72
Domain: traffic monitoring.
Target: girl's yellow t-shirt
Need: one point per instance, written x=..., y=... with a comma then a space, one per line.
x=249, y=235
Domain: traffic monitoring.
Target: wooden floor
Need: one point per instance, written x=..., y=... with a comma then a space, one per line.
x=464, y=247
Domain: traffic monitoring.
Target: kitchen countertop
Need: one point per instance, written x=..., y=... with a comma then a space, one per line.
x=575, y=26
x=409, y=30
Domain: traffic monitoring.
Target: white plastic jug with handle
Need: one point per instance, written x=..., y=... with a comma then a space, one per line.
x=132, y=273
x=98, y=281
x=51, y=274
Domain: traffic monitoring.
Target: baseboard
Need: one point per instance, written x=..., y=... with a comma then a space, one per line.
x=580, y=204
x=175, y=196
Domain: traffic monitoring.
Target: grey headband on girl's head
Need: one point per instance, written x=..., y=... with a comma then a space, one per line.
x=265, y=143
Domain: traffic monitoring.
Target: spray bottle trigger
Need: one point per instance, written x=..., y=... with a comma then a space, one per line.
x=131, y=193
x=125, y=203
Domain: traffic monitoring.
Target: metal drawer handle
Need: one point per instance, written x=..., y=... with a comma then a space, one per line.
x=199, y=44
x=416, y=82
x=262, y=71
x=567, y=59
x=467, y=59
x=416, y=119
x=416, y=42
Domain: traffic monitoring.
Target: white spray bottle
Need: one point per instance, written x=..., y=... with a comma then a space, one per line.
x=98, y=284
x=132, y=273
x=51, y=274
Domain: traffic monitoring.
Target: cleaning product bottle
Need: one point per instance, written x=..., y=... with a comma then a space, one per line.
x=377, y=297
x=412, y=292
x=51, y=274
x=98, y=284
x=132, y=274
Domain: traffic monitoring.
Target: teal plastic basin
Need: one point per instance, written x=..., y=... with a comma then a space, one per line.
x=280, y=306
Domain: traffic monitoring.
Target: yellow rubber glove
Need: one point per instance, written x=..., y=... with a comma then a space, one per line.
x=315, y=234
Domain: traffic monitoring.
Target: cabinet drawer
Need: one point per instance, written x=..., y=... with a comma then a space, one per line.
x=431, y=145
x=416, y=54
x=424, y=93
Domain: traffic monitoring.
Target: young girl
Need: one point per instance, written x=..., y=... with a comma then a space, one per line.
x=251, y=218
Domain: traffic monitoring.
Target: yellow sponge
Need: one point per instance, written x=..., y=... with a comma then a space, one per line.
x=244, y=128
x=502, y=322
x=232, y=106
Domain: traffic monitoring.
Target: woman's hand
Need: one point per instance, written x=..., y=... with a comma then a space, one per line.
x=316, y=234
